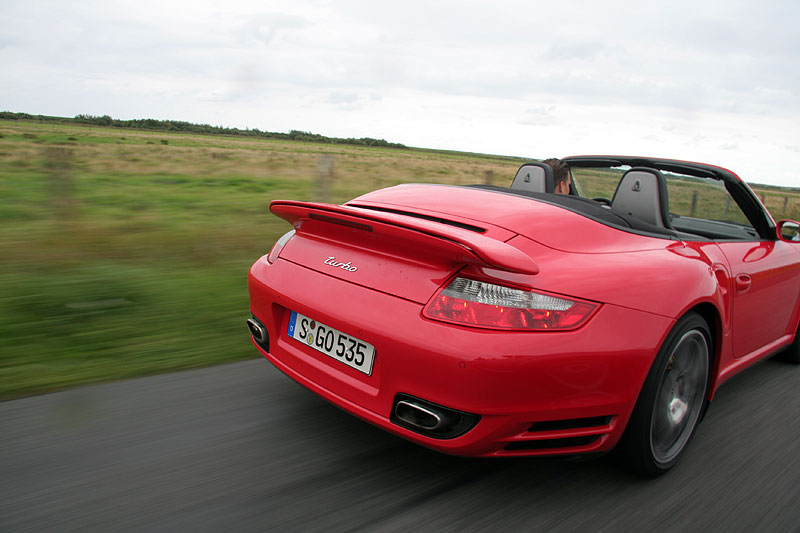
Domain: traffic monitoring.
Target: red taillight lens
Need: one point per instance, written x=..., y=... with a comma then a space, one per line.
x=276, y=250
x=477, y=303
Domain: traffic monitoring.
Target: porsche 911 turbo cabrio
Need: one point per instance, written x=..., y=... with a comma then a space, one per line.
x=515, y=321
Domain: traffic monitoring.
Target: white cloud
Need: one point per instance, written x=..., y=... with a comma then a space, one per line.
x=263, y=28
x=539, y=116
x=717, y=81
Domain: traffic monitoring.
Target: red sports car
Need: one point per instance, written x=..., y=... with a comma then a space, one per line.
x=492, y=321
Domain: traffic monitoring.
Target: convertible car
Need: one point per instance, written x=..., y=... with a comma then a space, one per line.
x=491, y=321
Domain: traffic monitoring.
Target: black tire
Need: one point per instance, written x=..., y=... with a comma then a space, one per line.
x=792, y=353
x=672, y=401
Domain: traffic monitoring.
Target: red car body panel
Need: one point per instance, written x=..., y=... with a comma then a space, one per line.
x=401, y=256
x=511, y=381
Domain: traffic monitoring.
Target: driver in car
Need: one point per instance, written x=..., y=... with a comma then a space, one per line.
x=561, y=177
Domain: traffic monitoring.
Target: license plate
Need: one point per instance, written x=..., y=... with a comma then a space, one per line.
x=353, y=352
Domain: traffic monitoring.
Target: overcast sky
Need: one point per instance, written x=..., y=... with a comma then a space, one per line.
x=716, y=81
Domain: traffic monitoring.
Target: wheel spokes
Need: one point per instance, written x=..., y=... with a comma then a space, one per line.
x=680, y=396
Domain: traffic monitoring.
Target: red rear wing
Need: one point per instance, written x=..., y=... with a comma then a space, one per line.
x=462, y=244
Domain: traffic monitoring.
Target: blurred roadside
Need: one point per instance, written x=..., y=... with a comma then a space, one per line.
x=125, y=253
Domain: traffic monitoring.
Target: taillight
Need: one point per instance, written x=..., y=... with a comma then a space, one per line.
x=478, y=303
x=276, y=250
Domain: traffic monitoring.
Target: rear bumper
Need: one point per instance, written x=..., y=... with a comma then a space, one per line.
x=524, y=386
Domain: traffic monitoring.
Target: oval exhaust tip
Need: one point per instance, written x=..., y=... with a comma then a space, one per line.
x=418, y=416
x=256, y=330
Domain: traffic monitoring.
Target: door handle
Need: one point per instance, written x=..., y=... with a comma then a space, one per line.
x=743, y=282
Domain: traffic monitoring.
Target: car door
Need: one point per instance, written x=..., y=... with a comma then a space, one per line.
x=764, y=274
x=766, y=281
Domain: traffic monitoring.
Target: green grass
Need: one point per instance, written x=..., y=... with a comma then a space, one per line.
x=123, y=256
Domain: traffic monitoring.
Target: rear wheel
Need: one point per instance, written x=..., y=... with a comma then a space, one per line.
x=672, y=400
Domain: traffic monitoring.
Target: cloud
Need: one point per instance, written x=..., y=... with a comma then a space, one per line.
x=718, y=79
x=539, y=116
x=342, y=98
x=574, y=50
x=350, y=101
x=264, y=28
x=7, y=40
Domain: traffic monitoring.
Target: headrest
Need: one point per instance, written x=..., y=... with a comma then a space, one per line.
x=642, y=193
x=534, y=177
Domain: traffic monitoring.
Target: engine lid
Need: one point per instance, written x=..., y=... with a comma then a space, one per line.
x=552, y=225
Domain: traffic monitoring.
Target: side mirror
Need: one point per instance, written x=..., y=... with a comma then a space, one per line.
x=534, y=177
x=789, y=230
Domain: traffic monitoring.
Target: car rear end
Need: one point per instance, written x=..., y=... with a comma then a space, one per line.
x=433, y=327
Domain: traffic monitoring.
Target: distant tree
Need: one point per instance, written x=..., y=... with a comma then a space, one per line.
x=183, y=126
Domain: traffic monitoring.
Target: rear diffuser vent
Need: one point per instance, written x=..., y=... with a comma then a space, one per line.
x=572, y=423
x=547, y=444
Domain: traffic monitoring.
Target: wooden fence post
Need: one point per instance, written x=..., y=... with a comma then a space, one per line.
x=322, y=186
x=60, y=183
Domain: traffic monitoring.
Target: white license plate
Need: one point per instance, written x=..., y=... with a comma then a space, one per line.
x=353, y=352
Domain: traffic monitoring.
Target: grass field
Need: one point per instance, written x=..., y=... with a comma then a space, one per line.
x=124, y=253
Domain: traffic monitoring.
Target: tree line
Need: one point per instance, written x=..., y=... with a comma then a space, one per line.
x=189, y=127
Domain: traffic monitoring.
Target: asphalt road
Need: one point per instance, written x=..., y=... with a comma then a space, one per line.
x=241, y=447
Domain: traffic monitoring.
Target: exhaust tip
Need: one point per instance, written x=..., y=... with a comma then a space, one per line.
x=257, y=330
x=414, y=414
x=430, y=419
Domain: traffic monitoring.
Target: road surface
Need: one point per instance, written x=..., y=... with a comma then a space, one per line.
x=241, y=447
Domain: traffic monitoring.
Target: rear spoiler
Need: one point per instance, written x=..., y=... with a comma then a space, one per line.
x=467, y=246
